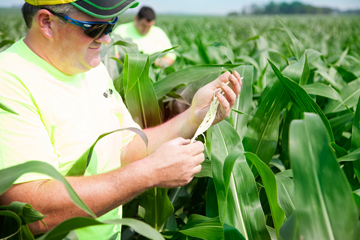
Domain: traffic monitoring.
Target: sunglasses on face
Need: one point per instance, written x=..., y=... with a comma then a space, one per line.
x=92, y=29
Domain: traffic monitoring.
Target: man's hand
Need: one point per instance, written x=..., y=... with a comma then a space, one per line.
x=202, y=99
x=175, y=163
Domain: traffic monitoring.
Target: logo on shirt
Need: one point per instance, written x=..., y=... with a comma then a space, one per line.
x=108, y=93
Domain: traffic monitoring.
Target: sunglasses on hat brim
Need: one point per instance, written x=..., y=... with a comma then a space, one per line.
x=92, y=29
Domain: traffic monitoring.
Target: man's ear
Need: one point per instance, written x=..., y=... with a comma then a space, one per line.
x=44, y=20
x=136, y=18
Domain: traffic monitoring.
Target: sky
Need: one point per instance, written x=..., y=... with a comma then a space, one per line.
x=215, y=7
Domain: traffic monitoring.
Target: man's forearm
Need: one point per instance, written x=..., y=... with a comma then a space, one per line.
x=101, y=193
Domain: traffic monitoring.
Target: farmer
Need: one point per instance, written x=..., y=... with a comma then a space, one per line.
x=64, y=99
x=148, y=38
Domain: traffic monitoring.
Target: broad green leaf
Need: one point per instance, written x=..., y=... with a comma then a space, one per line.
x=349, y=94
x=154, y=56
x=26, y=212
x=325, y=75
x=355, y=140
x=124, y=43
x=79, y=167
x=286, y=198
x=313, y=54
x=269, y=182
x=11, y=174
x=228, y=52
x=339, y=124
x=205, y=169
x=290, y=229
x=231, y=233
x=118, y=61
x=302, y=99
x=141, y=100
x=12, y=228
x=202, y=50
x=332, y=71
x=290, y=115
x=356, y=195
x=134, y=66
x=351, y=157
x=320, y=185
x=239, y=204
x=243, y=102
x=298, y=72
x=203, y=227
x=263, y=47
x=186, y=76
x=262, y=134
x=211, y=200
x=63, y=229
x=272, y=232
x=323, y=90
x=157, y=207
x=346, y=75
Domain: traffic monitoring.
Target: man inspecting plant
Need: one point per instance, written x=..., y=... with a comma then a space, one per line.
x=148, y=37
x=64, y=99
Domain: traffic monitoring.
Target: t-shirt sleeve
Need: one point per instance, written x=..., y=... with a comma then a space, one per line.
x=23, y=137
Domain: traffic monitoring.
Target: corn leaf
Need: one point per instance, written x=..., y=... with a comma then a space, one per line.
x=350, y=95
x=11, y=174
x=26, y=212
x=290, y=229
x=187, y=75
x=157, y=207
x=355, y=140
x=323, y=189
x=238, y=199
x=269, y=181
x=302, y=99
x=140, y=98
x=63, y=229
x=231, y=233
x=323, y=90
x=11, y=226
x=286, y=198
x=79, y=167
x=243, y=102
x=299, y=71
x=203, y=227
x=262, y=134
x=134, y=66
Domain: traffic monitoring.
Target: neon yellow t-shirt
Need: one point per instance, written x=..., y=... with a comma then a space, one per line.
x=60, y=117
x=155, y=40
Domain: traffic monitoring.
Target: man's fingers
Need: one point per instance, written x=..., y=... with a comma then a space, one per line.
x=236, y=82
x=197, y=148
x=197, y=169
x=229, y=93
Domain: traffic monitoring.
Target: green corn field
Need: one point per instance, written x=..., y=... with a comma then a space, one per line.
x=284, y=165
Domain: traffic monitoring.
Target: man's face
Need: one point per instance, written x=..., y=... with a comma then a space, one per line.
x=143, y=26
x=74, y=51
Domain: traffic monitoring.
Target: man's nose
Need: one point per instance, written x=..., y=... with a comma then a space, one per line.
x=106, y=39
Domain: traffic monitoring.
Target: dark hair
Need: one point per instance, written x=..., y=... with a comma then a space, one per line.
x=147, y=13
x=29, y=11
